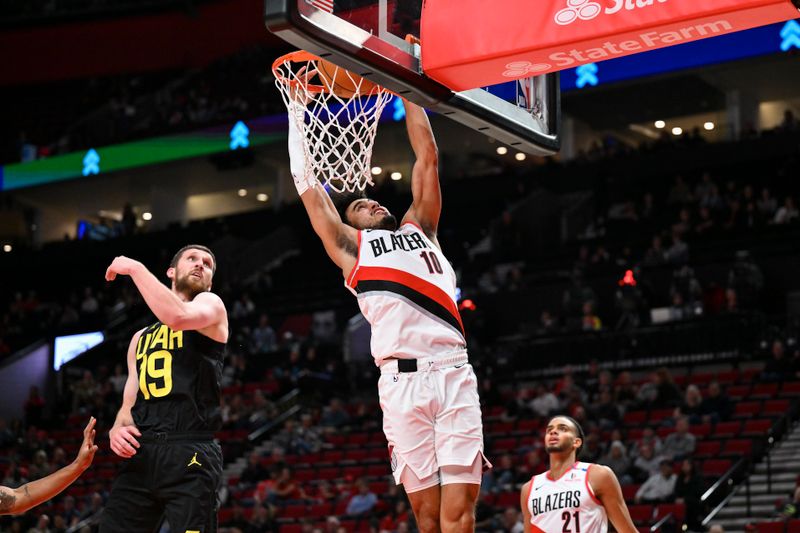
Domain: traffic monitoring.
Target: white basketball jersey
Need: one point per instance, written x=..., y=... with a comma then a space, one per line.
x=566, y=504
x=406, y=290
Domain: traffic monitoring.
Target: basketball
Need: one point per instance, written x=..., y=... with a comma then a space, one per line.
x=342, y=82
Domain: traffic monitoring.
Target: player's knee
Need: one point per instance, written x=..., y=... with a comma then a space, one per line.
x=456, y=519
x=428, y=519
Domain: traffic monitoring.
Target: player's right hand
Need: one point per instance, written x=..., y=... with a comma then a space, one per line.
x=88, y=447
x=123, y=440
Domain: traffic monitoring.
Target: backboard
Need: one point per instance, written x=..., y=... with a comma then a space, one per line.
x=368, y=37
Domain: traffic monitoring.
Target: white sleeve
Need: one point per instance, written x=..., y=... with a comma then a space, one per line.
x=297, y=158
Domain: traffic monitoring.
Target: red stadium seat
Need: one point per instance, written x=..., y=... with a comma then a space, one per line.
x=507, y=499
x=728, y=377
x=793, y=526
x=702, y=378
x=706, y=449
x=701, y=431
x=737, y=392
x=528, y=425
x=775, y=407
x=747, y=409
x=641, y=513
x=756, y=428
x=633, y=418
x=332, y=456
x=504, y=445
x=764, y=391
x=354, y=471
x=378, y=470
x=738, y=448
x=677, y=510
x=629, y=492
x=320, y=510
x=356, y=455
x=727, y=429
x=791, y=388
x=658, y=415
x=328, y=473
x=715, y=467
x=291, y=528
x=771, y=527
x=293, y=511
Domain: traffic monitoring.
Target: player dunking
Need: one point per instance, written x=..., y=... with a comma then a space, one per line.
x=171, y=402
x=572, y=497
x=406, y=290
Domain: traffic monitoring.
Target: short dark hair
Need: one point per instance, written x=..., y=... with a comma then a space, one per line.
x=179, y=254
x=578, y=429
x=343, y=200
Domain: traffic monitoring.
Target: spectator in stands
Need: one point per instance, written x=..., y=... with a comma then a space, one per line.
x=704, y=187
x=716, y=405
x=767, y=204
x=688, y=490
x=681, y=443
x=667, y=392
x=605, y=411
x=262, y=520
x=503, y=474
x=617, y=460
x=692, y=405
x=659, y=488
x=335, y=415
x=363, y=501
x=716, y=528
x=509, y=521
x=544, y=403
x=592, y=451
x=787, y=213
x=237, y=523
x=254, y=471
x=624, y=390
x=40, y=467
x=678, y=253
x=705, y=224
x=392, y=520
x=34, y=408
x=779, y=367
x=532, y=466
x=243, y=307
x=263, y=339
x=791, y=509
x=647, y=463
x=679, y=193
x=590, y=321
x=655, y=255
x=89, y=305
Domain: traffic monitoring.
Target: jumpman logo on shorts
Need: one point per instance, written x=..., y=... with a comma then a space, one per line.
x=194, y=461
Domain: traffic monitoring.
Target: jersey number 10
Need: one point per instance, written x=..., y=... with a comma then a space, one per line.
x=434, y=266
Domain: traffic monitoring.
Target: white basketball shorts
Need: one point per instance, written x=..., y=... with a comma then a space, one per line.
x=431, y=417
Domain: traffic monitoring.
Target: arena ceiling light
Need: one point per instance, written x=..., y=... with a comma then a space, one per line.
x=709, y=126
x=396, y=176
x=677, y=131
x=242, y=192
x=262, y=197
x=147, y=215
x=660, y=124
x=520, y=156
x=376, y=171
x=502, y=150
x=7, y=248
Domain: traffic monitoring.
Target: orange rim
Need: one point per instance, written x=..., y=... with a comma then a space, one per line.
x=300, y=56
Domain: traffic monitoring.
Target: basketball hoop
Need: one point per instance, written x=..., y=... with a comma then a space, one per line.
x=337, y=116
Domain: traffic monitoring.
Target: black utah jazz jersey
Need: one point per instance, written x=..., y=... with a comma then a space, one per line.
x=179, y=381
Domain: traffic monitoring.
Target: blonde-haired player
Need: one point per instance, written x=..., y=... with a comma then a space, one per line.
x=572, y=497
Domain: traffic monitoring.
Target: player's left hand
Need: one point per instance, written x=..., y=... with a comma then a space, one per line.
x=88, y=447
x=121, y=265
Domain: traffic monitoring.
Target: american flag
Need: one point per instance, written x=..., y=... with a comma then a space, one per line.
x=325, y=5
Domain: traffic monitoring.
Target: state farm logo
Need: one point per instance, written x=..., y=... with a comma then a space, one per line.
x=578, y=9
x=587, y=9
x=517, y=69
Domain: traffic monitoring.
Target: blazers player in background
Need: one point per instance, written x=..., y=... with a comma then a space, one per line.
x=572, y=497
x=29, y=495
x=406, y=290
x=171, y=402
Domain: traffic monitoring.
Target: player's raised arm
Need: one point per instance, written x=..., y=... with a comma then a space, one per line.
x=203, y=311
x=607, y=489
x=29, y=495
x=426, y=205
x=339, y=239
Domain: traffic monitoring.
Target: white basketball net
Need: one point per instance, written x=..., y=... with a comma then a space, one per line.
x=338, y=128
